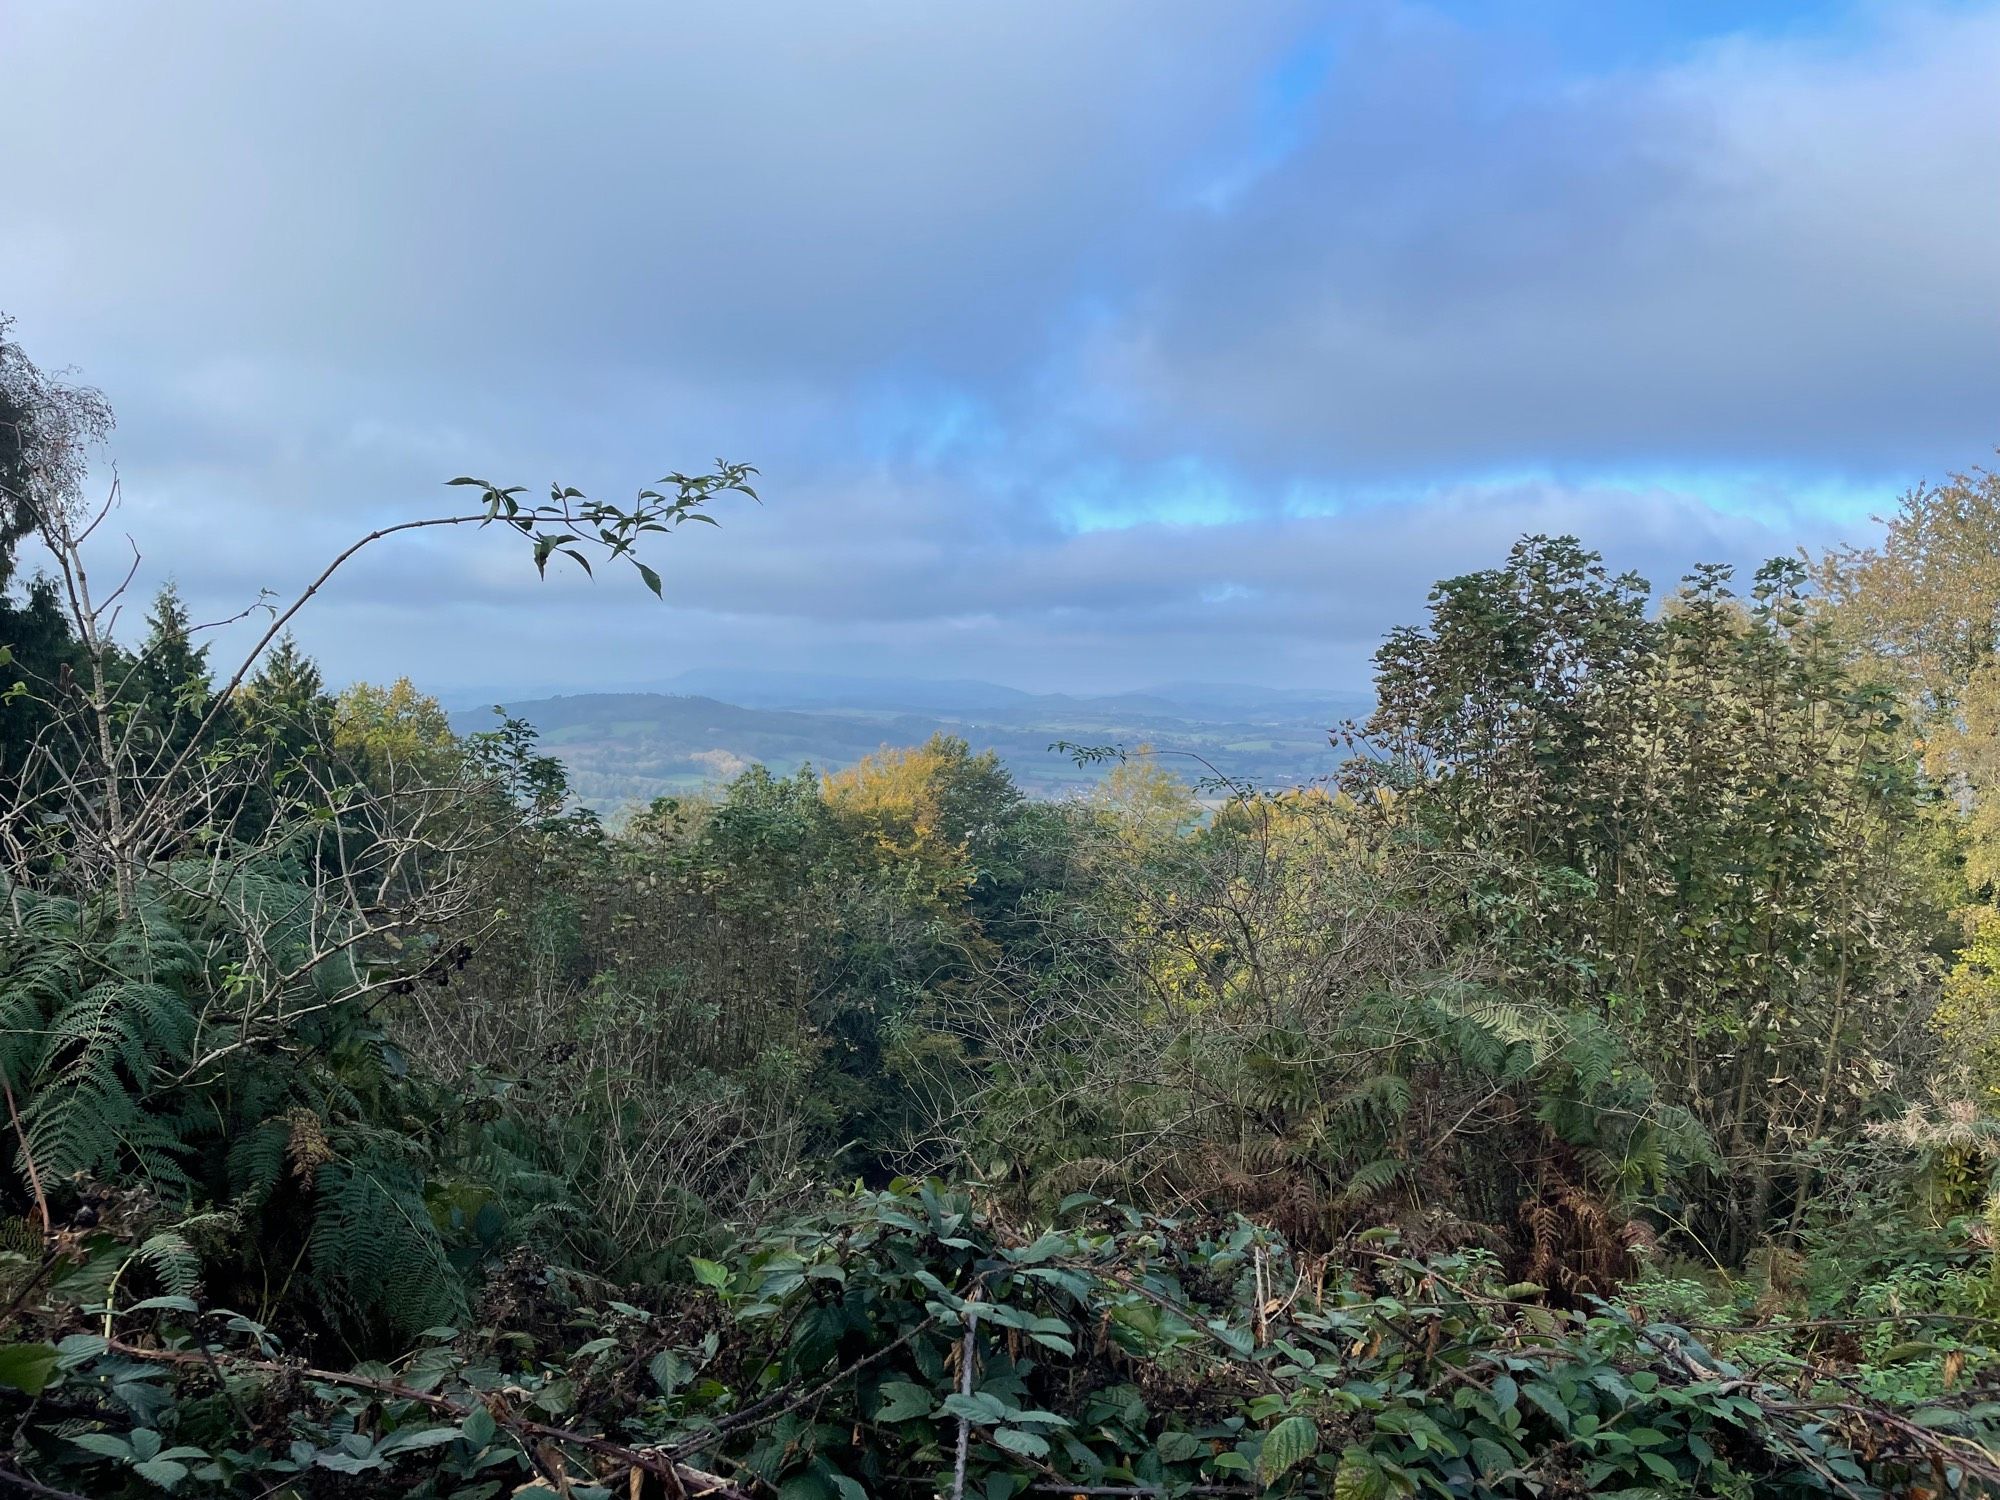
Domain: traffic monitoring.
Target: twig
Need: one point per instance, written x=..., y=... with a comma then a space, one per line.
x=1142, y=1489
x=757, y=1409
x=966, y=1354
x=27, y=1158
x=1167, y=1304
x=49, y=1259
x=221, y=1384
x=21, y=1484
x=696, y=1482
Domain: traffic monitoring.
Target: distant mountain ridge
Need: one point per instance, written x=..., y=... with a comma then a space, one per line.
x=775, y=689
x=629, y=747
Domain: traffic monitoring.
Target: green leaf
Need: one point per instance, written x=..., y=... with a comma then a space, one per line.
x=980, y=1408
x=669, y=1371
x=1050, y=1244
x=165, y=1472
x=409, y=1439
x=109, y=1444
x=805, y=1485
x=1660, y=1467
x=1179, y=1447
x=902, y=1400
x=1036, y=1418
x=1238, y=1339
x=1550, y=1400
x=1286, y=1446
x=79, y=1348
x=709, y=1272
x=27, y=1367
x=652, y=580
x=1359, y=1477
x=348, y=1463
x=478, y=1427
x=1913, y=1349
x=1016, y=1441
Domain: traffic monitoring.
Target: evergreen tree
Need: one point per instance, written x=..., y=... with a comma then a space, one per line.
x=286, y=698
x=170, y=681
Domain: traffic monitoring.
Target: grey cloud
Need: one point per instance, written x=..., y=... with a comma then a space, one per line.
x=726, y=187
x=940, y=271
x=1773, y=251
x=1301, y=599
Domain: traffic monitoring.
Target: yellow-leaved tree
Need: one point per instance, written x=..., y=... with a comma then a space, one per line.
x=1968, y=1012
x=395, y=731
x=922, y=811
x=1925, y=603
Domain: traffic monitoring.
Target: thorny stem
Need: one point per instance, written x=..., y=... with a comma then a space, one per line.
x=967, y=1354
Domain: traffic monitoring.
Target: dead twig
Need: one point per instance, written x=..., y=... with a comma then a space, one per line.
x=697, y=1483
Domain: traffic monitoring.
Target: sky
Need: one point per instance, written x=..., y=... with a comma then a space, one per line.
x=1080, y=347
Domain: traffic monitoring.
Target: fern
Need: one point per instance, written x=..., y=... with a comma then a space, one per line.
x=172, y=1260
x=373, y=1248
x=1373, y=1177
x=1384, y=1097
x=99, y=1016
x=90, y=1016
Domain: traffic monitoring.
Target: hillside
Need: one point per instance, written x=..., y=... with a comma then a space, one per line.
x=622, y=748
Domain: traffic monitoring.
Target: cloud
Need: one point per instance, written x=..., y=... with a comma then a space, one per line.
x=1774, y=251
x=1080, y=347
x=866, y=578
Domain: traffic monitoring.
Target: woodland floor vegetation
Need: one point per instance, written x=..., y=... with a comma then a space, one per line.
x=1593, y=1091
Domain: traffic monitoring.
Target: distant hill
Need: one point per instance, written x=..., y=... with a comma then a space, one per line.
x=624, y=748
x=768, y=689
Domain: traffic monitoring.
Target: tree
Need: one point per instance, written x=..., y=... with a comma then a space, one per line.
x=1925, y=604
x=200, y=921
x=931, y=812
x=47, y=426
x=286, y=699
x=170, y=684
x=1926, y=599
x=1701, y=826
x=394, y=732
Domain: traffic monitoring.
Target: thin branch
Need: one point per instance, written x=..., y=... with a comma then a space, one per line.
x=695, y=1482
x=27, y=1158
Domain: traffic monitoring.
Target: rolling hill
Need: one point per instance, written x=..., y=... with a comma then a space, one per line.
x=625, y=748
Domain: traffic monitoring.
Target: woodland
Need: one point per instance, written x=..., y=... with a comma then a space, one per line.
x=1594, y=1089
